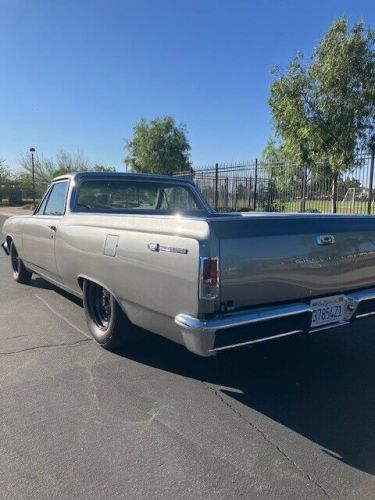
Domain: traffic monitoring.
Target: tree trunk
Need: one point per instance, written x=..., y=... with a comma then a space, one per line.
x=334, y=193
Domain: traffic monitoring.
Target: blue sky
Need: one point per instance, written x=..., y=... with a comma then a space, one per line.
x=77, y=75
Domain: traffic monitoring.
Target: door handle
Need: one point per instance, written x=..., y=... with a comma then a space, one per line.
x=54, y=228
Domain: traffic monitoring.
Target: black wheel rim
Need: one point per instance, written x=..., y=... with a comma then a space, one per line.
x=15, y=260
x=101, y=306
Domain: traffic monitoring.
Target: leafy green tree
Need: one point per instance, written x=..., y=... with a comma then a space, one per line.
x=67, y=163
x=99, y=167
x=4, y=177
x=286, y=176
x=4, y=172
x=158, y=147
x=24, y=181
x=14, y=194
x=48, y=168
x=326, y=109
x=275, y=153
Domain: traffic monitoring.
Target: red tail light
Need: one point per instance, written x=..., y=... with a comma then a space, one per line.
x=209, y=278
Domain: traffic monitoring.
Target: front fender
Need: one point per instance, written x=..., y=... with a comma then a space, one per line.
x=12, y=231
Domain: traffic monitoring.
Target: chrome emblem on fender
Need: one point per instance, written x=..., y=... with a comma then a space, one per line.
x=325, y=239
x=156, y=247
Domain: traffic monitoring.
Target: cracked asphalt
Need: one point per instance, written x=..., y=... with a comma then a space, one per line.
x=290, y=419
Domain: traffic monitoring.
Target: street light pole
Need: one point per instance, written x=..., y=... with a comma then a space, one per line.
x=32, y=151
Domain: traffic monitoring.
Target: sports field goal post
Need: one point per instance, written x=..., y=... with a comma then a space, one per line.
x=349, y=198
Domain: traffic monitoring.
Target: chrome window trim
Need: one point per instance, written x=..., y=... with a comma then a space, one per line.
x=44, y=197
x=48, y=194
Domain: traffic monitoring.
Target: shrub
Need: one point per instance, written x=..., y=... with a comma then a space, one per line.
x=15, y=196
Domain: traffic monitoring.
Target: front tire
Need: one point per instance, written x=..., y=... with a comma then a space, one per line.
x=20, y=273
x=105, y=319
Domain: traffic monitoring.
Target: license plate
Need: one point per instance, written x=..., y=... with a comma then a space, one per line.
x=327, y=310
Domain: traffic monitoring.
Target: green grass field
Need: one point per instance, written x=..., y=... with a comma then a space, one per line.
x=322, y=206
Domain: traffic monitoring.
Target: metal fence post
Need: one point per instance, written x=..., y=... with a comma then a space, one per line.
x=242, y=184
x=236, y=194
x=216, y=185
x=371, y=178
x=249, y=202
x=303, y=194
x=255, y=184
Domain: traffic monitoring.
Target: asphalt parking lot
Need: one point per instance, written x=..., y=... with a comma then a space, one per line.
x=290, y=419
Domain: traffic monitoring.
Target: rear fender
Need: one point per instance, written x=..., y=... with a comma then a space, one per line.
x=82, y=277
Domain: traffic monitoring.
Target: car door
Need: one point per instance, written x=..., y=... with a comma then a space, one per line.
x=40, y=230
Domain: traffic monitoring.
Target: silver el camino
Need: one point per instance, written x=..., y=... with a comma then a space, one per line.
x=148, y=251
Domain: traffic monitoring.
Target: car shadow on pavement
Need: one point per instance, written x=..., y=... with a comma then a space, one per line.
x=321, y=386
x=41, y=284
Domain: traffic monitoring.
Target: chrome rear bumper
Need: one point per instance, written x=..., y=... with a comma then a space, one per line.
x=206, y=337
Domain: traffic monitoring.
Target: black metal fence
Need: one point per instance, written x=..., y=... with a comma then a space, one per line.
x=286, y=187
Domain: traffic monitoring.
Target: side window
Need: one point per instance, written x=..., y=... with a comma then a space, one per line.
x=56, y=201
x=42, y=206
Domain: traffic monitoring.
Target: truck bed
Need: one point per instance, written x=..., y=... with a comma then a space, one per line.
x=273, y=258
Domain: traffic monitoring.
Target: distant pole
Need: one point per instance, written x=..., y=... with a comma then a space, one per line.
x=249, y=193
x=370, y=183
x=32, y=151
x=216, y=185
x=255, y=184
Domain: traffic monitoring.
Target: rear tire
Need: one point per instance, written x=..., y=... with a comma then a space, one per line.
x=105, y=319
x=20, y=273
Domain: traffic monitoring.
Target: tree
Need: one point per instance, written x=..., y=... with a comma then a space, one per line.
x=48, y=168
x=67, y=163
x=274, y=152
x=158, y=146
x=285, y=175
x=4, y=177
x=326, y=109
x=99, y=167
x=4, y=172
x=24, y=181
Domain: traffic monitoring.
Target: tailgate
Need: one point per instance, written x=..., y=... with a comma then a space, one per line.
x=269, y=258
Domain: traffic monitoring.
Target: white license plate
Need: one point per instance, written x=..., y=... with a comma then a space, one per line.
x=327, y=310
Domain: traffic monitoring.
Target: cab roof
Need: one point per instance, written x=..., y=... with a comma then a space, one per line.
x=123, y=175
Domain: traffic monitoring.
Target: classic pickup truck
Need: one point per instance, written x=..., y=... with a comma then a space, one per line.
x=148, y=251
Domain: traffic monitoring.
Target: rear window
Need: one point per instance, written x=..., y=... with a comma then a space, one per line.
x=129, y=196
